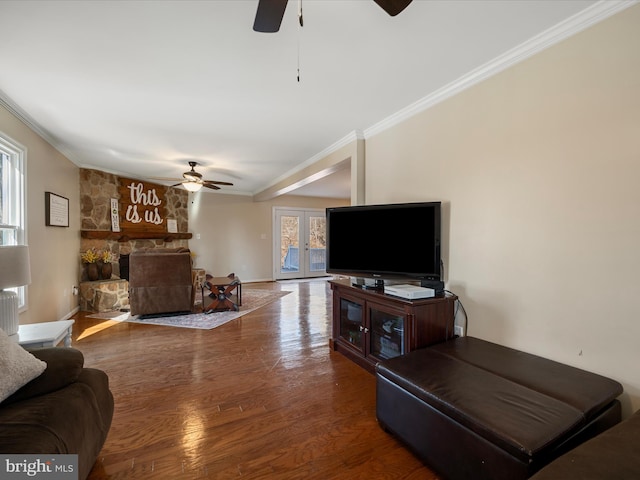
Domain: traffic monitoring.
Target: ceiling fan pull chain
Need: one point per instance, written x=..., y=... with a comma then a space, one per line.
x=300, y=25
x=300, y=21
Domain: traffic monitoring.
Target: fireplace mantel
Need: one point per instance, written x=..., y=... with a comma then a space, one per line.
x=125, y=236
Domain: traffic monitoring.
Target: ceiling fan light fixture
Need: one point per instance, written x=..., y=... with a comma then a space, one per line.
x=192, y=186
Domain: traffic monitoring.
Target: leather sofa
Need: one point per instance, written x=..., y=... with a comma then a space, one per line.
x=161, y=281
x=472, y=409
x=614, y=454
x=66, y=410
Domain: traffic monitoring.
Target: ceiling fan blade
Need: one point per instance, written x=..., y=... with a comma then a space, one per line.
x=165, y=179
x=214, y=182
x=269, y=15
x=176, y=185
x=209, y=185
x=192, y=176
x=393, y=7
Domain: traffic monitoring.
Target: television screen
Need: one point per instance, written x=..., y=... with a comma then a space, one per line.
x=385, y=241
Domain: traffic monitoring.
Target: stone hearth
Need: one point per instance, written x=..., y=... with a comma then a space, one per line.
x=104, y=295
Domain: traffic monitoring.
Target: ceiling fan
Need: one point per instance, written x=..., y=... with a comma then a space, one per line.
x=270, y=12
x=193, y=180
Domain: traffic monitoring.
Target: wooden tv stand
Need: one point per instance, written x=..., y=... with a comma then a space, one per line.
x=369, y=325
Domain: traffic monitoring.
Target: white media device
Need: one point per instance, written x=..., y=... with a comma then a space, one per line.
x=410, y=292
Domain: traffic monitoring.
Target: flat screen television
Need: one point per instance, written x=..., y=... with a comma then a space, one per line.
x=392, y=241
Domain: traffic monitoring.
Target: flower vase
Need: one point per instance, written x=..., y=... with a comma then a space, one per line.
x=92, y=272
x=106, y=271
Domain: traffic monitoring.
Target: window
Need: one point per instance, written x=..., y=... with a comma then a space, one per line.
x=12, y=198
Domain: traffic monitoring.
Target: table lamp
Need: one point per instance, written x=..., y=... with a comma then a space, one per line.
x=14, y=272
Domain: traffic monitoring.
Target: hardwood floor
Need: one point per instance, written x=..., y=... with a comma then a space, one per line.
x=260, y=397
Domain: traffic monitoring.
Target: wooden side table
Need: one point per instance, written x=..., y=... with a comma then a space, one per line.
x=221, y=290
x=47, y=334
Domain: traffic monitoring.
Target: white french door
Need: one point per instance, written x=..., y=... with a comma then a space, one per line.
x=299, y=243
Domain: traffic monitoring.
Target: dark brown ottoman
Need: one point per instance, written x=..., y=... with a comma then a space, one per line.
x=474, y=409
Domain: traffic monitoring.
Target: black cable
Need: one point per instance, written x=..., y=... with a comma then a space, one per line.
x=464, y=310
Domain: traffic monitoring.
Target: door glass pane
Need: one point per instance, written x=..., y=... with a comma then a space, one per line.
x=317, y=244
x=3, y=201
x=289, y=244
x=387, y=334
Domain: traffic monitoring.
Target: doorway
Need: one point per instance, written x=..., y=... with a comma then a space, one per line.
x=299, y=243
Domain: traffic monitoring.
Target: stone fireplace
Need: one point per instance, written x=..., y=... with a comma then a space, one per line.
x=97, y=188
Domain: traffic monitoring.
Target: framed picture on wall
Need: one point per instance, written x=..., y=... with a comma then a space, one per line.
x=56, y=210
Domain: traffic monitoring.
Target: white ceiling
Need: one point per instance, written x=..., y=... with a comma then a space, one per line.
x=139, y=88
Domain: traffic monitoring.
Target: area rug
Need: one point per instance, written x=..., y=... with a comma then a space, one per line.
x=252, y=299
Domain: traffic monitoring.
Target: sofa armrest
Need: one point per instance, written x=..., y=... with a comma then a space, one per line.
x=63, y=367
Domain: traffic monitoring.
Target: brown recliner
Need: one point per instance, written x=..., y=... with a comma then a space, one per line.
x=67, y=410
x=160, y=281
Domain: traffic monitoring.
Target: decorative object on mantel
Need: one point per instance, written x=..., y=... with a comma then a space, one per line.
x=99, y=264
x=106, y=268
x=90, y=259
x=115, y=217
x=14, y=272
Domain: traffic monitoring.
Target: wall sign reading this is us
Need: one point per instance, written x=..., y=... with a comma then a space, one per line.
x=142, y=205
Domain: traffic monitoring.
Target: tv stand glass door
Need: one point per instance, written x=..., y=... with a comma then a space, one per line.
x=386, y=339
x=352, y=322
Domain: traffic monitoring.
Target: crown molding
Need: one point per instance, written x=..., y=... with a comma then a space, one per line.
x=565, y=29
x=343, y=142
x=25, y=118
x=21, y=115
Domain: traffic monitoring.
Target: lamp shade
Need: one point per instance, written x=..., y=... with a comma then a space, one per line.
x=14, y=266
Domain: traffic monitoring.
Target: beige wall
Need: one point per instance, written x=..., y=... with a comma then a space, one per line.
x=539, y=170
x=236, y=233
x=53, y=250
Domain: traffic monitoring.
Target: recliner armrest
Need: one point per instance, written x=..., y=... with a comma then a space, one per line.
x=64, y=366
